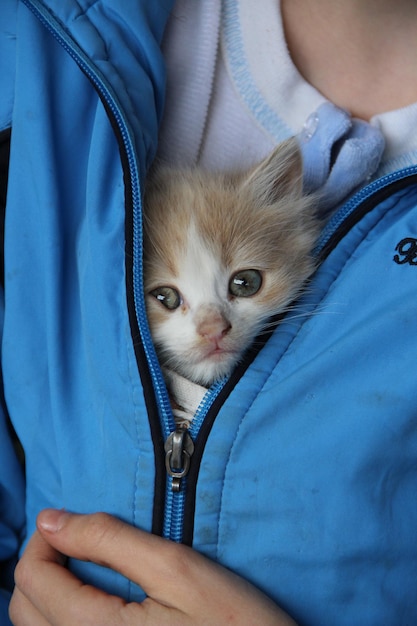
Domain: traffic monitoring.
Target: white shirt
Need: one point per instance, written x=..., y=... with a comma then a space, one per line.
x=233, y=91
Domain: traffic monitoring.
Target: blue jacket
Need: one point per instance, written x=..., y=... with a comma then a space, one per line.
x=304, y=474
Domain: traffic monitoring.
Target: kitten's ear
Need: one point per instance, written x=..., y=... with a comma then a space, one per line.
x=280, y=174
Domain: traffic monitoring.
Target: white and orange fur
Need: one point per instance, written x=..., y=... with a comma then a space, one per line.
x=224, y=252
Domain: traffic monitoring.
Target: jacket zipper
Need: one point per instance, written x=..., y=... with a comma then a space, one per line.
x=180, y=445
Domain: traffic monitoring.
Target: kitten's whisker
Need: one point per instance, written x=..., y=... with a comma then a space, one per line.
x=291, y=314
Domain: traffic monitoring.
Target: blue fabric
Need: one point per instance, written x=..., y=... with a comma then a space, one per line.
x=340, y=153
x=308, y=477
x=331, y=466
x=71, y=382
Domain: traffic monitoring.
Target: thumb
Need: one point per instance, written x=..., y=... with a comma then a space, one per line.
x=146, y=559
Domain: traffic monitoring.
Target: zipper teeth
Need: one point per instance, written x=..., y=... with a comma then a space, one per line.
x=349, y=207
x=174, y=511
x=205, y=406
x=111, y=101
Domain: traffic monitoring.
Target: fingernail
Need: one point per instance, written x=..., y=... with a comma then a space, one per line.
x=52, y=520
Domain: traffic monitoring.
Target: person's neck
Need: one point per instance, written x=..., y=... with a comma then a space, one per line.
x=361, y=55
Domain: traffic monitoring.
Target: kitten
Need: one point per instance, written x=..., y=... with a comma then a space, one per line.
x=223, y=253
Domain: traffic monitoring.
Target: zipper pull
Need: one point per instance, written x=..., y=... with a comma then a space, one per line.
x=179, y=448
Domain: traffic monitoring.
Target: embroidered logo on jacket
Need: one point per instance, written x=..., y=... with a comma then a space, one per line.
x=407, y=251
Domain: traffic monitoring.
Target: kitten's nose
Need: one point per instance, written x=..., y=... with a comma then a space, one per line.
x=212, y=324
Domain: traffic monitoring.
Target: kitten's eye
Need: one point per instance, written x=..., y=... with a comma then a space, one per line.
x=168, y=296
x=245, y=283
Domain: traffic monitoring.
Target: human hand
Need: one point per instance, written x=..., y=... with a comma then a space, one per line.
x=182, y=586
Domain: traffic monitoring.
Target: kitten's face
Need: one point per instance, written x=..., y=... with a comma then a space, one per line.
x=204, y=315
x=222, y=256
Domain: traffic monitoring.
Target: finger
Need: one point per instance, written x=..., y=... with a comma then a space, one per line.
x=21, y=609
x=52, y=594
x=23, y=613
x=150, y=561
